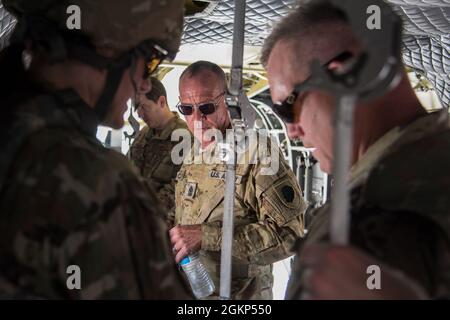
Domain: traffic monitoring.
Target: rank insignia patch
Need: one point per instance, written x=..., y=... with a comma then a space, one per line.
x=190, y=189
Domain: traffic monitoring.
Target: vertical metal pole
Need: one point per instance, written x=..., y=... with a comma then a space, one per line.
x=238, y=48
x=227, y=230
x=326, y=183
x=299, y=172
x=308, y=178
x=343, y=138
x=237, y=124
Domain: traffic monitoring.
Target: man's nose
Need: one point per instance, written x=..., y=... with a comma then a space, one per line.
x=198, y=116
x=139, y=111
x=294, y=131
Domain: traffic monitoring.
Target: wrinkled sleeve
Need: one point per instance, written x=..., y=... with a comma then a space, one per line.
x=166, y=195
x=88, y=210
x=410, y=242
x=280, y=208
x=405, y=241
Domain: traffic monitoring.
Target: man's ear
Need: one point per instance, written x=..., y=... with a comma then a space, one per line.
x=341, y=63
x=335, y=65
x=162, y=102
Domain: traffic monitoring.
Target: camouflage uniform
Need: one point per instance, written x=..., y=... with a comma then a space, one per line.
x=151, y=153
x=268, y=218
x=64, y=199
x=400, y=205
x=68, y=201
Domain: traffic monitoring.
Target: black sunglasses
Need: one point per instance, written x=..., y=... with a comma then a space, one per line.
x=205, y=108
x=285, y=109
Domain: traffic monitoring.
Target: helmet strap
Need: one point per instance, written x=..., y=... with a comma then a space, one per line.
x=114, y=76
x=115, y=69
x=132, y=72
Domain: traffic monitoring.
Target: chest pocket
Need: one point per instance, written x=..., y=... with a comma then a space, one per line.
x=158, y=162
x=137, y=155
x=207, y=202
x=212, y=204
x=183, y=206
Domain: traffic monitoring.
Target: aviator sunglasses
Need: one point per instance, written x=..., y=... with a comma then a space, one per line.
x=285, y=110
x=205, y=108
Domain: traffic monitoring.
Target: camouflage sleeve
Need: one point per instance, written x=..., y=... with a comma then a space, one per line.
x=317, y=232
x=137, y=142
x=280, y=208
x=405, y=241
x=87, y=208
x=409, y=242
x=166, y=195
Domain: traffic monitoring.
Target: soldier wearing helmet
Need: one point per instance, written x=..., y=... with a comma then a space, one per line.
x=66, y=202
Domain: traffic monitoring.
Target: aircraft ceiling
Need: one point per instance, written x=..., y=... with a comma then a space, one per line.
x=426, y=39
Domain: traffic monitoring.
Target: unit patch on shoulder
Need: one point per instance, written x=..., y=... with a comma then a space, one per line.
x=288, y=193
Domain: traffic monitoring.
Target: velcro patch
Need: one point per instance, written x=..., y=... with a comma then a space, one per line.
x=189, y=190
x=180, y=175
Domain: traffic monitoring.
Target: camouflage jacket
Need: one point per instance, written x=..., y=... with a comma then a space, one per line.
x=268, y=218
x=400, y=205
x=151, y=153
x=65, y=200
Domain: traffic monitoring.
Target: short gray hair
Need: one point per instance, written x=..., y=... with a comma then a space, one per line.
x=201, y=66
x=305, y=15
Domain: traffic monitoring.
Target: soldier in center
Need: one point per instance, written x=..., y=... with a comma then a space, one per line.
x=268, y=208
x=151, y=150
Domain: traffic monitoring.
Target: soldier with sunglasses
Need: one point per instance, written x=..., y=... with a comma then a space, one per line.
x=400, y=223
x=76, y=221
x=269, y=208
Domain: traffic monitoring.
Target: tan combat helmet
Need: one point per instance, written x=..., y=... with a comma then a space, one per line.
x=129, y=28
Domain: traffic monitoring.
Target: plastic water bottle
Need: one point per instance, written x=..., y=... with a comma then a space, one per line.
x=201, y=283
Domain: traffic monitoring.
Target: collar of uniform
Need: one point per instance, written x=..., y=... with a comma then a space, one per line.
x=57, y=109
x=424, y=126
x=209, y=153
x=211, y=148
x=164, y=133
x=197, y=154
x=212, y=151
x=79, y=111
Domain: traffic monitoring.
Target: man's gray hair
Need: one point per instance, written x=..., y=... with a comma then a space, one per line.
x=304, y=16
x=201, y=66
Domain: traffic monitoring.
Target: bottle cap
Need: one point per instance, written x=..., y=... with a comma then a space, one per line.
x=186, y=260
